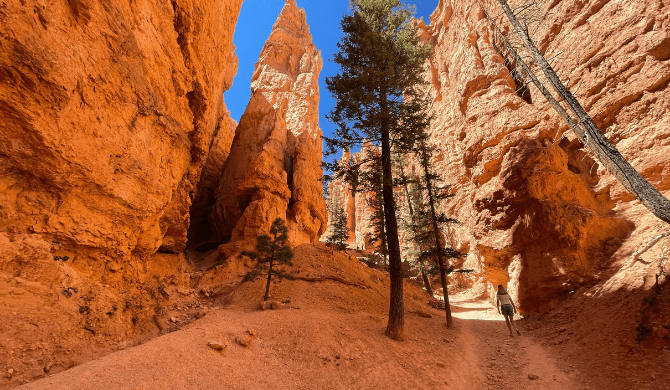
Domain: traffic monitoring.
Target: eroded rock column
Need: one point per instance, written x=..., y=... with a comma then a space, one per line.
x=274, y=166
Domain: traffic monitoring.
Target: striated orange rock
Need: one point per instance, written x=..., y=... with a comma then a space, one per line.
x=274, y=166
x=108, y=112
x=539, y=216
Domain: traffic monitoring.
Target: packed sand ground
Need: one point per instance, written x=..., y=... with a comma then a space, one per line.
x=329, y=335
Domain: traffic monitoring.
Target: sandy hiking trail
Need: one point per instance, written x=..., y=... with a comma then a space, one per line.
x=329, y=335
x=301, y=348
x=507, y=362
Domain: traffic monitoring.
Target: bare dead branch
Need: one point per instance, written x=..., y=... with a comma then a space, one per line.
x=649, y=245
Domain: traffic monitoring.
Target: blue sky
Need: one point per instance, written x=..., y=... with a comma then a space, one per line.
x=323, y=16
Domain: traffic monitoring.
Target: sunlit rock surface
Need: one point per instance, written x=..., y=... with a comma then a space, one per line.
x=536, y=216
x=274, y=166
x=108, y=113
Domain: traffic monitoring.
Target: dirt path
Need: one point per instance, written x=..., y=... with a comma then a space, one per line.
x=303, y=348
x=508, y=362
x=329, y=335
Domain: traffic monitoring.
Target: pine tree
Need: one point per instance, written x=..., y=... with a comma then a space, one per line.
x=430, y=232
x=340, y=231
x=371, y=181
x=378, y=99
x=272, y=250
x=416, y=227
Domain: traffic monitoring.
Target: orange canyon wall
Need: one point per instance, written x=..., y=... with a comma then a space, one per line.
x=113, y=140
x=109, y=110
x=538, y=217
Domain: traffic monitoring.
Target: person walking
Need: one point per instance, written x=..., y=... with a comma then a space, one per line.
x=506, y=307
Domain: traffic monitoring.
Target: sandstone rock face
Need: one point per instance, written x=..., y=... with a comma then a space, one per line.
x=273, y=169
x=199, y=230
x=540, y=217
x=108, y=112
x=356, y=204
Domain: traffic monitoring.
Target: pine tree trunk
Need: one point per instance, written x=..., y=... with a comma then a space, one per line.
x=426, y=280
x=267, y=286
x=445, y=292
x=438, y=245
x=272, y=257
x=396, y=323
x=591, y=135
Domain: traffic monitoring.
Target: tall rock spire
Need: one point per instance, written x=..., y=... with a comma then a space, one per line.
x=274, y=165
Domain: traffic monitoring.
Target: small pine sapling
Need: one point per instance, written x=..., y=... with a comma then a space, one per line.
x=272, y=250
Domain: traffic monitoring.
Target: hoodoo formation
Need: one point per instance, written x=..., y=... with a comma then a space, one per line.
x=128, y=194
x=273, y=169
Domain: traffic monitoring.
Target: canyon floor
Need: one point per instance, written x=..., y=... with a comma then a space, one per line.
x=329, y=335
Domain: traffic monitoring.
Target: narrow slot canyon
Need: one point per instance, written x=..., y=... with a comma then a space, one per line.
x=147, y=147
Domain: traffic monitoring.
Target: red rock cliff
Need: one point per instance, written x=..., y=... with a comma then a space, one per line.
x=541, y=218
x=274, y=166
x=538, y=217
x=108, y=112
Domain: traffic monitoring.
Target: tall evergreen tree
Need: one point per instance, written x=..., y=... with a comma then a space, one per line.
x=272, y=250
x=372, y=183
x=416, y=226
x=338, y=216
x=378, y=98
x=432, y=237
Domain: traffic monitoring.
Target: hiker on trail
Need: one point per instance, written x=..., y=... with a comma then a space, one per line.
x=505, y=303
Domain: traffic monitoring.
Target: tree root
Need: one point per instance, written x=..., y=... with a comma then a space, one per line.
x=333, y=278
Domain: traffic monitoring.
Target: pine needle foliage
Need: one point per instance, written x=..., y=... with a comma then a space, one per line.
x=379, y=99
x=340, y=231
x=272, y=249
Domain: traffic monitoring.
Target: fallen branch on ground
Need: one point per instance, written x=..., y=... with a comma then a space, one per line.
x=651, y=243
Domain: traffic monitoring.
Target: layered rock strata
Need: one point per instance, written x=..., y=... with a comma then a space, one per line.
x=108, y=112
x=274, y=166
x=541, y=217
